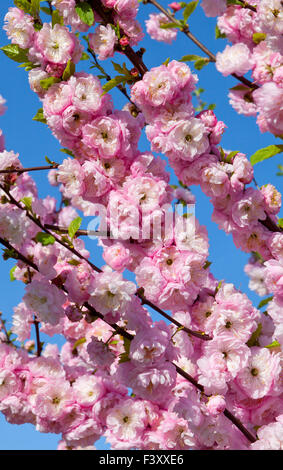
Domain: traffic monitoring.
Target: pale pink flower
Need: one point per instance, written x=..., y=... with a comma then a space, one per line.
x=102, y=41
x=188, y=140
x=19, y=28
x=45, y=300
x=216, y=404
x=272, y=198
x=234, y=59
x=259, y=377
x=153, y=27
x=213, y=8
x=110, y=293
x=249, y=208
x=56, y=44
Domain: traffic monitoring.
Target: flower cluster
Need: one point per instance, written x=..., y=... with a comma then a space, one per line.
x=143, y=384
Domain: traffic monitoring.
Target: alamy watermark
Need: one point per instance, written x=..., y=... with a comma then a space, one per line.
x=129, y=222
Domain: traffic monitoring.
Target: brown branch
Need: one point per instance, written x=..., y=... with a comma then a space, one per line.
x=226, y=412
x=33, y=168
x=106, y=16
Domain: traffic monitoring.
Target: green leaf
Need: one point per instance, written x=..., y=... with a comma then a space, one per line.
x=68, y=152
x=124, y=357
x=264, y=302
x=39, y=116
x=280, y=172
x=14, y=52
x=253, y=341
x=113, y=82
x=258, y=37
x=45, y=239
x=234, y=2
x=74, y=262
x=46, y=10
x=78, y=343
x=69, y=70
x=274, y=344
x=35, y=5
x=12, y=277
x=28, y=66
x=85, y=13
x=48, y=82
x=280, y=223
x=218, y=34
x=190, y=8
x=211, y=106
x=240, y=88
x=27, y=201
x=265, y=153
x=170, y=25
x=200, y=63
x=207, y=264
x=190, y=58
x=24, y=5
x=57, y=18
x=74, y=227
x=231, y=155
x=166, y=61
x=85, y=56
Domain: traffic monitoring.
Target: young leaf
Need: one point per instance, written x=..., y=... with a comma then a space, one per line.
x=274, y=344
x=85, y=56
x=12, y=277
x=218, y=34
x=24, y=5
x=57, y=18
x=190, y=58
x=14, y=52
x=264, y=302
x=85, y=12
x=39, y=116
x=190, y=8
x=45, y=239
x=68, y=152
x=69, y=70
x=35, y=5
x=170, y=25
x=48, y=82
x=27, y=201
x=46, y=10
x=253, y=341
x=280, y=223
x=265, y=153
x=113, y=82
x=200, y=63
x=74, y=227
x=231, y=155
x=78, y=343
x=258, y=37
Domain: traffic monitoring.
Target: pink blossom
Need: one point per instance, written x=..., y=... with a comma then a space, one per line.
x=249, y=208
x=153, y=27
x=19, y=28
x=268, y=99
x=55, y=44
x=110, y=293
x=216, y=404
x=234, y=59
x=102, y=41
x=242, y=101
x=272, y=198
x=45, y=300
x=215, y=8
x=259, y=377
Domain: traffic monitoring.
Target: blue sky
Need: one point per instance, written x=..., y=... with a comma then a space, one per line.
x=33, y=141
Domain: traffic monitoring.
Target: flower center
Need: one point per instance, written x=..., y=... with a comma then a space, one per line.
x=188, y=138
x=254, y=372
x=169, y=261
